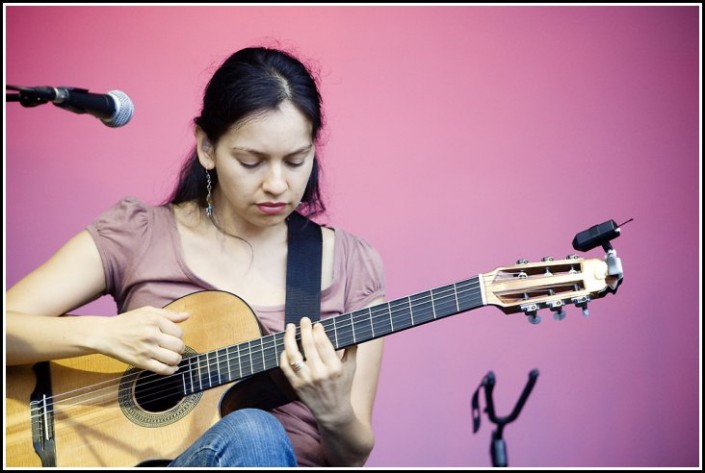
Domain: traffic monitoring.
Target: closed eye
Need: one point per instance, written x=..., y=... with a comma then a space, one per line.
x=296, y=164
x=249, y=165
x=251, y=159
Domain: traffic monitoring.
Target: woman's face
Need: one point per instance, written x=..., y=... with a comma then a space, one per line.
x=263, y=165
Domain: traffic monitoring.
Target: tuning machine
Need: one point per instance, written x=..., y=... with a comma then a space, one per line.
x=582, y=303
x=531, y=312
x=557, y=309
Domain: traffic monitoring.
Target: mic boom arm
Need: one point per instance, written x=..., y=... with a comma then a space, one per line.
x=114, y=108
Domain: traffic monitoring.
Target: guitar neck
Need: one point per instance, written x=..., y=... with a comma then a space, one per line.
x=207, y=370
x=404, y=313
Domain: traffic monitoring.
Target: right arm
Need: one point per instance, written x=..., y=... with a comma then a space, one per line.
x=147, y=338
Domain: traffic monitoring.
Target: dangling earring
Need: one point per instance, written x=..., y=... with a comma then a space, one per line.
x=209, y=200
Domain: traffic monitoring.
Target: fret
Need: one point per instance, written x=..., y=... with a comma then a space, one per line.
x=217, y=373
x=455, y=294
x=266, y=347
x=278, y=342
x=391, y=316
x=255, y=359
x=470, y=294
x=401, y=314
x=344, y=328
x=247, y=359
x=217, y=367
x=253, y=356
x=190, y=375
x=249, y=355
x=335, y=332
x=444, y=301
x=381, y=320
x=264, y=361
x=239, y=362
x=433, y=306
x=352, y=329
x=372, y=325
x=196, y=371
x=200, y=376
x=227, y=357
x=260, y=349
x=423, y=308
x=279, y=345
x=273, y=351
x=363, y=329
x=208, y=370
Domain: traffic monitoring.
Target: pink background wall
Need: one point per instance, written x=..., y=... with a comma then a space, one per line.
x=459, y=139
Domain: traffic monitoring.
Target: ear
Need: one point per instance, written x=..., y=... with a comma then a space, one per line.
x=204, y=149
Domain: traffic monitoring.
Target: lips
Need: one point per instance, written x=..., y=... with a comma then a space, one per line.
x=271, y=208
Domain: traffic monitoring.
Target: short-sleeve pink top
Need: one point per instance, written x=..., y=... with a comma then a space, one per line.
x=144, y=265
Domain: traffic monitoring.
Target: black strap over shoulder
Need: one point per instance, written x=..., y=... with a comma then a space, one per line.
x=303, y=269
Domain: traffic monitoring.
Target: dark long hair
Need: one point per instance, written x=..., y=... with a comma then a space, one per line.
x=251, y=81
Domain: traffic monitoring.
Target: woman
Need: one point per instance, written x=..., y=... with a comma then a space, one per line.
x=224, y=228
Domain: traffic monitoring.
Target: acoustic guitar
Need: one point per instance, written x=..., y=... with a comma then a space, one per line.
x=94, y=411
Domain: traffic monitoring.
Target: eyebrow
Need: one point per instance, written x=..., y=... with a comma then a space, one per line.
x=260, y=154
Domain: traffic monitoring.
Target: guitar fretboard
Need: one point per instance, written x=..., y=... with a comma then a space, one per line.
x=208, y=370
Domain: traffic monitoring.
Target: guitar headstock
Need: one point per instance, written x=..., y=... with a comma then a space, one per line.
x=529, y=287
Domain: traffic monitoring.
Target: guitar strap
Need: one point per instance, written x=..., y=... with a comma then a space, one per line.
x=303, y=269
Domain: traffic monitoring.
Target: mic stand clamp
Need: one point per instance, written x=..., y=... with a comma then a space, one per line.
x=25, y=96
x=498, y=447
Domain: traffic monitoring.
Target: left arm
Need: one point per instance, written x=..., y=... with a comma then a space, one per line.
x=339, y=391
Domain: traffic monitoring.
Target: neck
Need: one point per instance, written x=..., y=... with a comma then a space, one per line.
x=226, y=223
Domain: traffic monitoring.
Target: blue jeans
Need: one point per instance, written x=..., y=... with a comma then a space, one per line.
x=245, y=437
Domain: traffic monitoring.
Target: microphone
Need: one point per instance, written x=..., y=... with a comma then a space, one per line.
x=114, y=109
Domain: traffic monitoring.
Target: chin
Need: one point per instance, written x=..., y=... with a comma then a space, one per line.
x=271, y=220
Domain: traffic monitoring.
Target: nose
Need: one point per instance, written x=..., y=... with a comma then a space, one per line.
x=275, y=182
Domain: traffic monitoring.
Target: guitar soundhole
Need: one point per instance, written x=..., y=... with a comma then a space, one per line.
x=157, y=393
x=151, y=400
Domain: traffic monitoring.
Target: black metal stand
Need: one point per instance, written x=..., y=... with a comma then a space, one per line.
x=498, y=447
x=26, y=96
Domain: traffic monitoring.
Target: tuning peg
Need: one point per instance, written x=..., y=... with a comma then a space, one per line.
x=522, y=261
x=573, y=256
x=582, y=302
x=530, y=310
x=557, y=309
x=546, y=259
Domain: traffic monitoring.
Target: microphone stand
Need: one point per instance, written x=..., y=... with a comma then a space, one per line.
x=26, y=97
x=498, y=447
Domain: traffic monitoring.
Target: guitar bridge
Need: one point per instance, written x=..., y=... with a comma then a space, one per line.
x=42, y=416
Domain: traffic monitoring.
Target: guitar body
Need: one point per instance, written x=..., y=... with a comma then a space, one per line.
x=100, y=421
